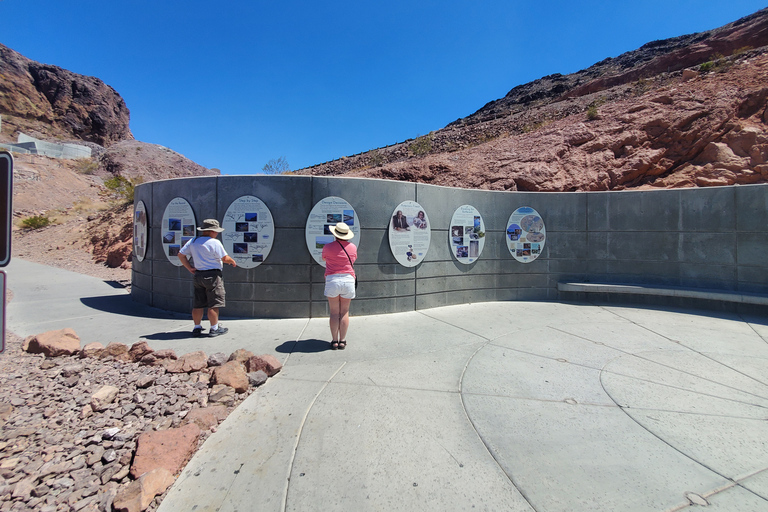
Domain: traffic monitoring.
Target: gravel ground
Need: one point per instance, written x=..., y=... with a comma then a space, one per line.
x=36, y=435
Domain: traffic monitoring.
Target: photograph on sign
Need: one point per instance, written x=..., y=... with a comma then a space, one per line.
x=140, y=224
x=177, y=228
x=326, y=213
x=525, y=234
x=409, y=233
x=249, y=231
x=466, y=235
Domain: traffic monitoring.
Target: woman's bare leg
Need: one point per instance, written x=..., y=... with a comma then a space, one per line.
x=343, y=317
x=334, y=307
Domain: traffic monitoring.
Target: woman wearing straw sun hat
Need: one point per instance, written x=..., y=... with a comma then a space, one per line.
x=339, y=256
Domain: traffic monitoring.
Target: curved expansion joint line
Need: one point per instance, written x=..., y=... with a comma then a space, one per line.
x=298, y=435
x=479, y=436
x=301, y=334
x=732, y=482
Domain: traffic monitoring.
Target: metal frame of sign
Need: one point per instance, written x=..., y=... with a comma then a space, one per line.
x=6, y=193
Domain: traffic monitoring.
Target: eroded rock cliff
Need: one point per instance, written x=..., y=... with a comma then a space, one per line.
x=50, y=102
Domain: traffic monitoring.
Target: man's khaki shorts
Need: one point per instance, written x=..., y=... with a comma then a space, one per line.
x=209, y=289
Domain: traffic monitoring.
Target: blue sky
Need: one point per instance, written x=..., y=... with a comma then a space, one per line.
x=233, y=85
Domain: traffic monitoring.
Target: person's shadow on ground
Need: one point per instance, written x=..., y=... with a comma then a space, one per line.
x=311, y=346
x=167, y=336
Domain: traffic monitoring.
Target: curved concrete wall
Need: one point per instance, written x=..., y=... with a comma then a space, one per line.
x=708, y=237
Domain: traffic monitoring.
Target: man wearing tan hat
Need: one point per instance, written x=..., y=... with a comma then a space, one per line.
x=208, y=255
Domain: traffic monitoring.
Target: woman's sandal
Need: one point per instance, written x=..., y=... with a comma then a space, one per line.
x=342, y=345
x=334, y=345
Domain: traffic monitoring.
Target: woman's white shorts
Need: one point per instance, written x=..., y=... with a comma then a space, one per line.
x=340, y=285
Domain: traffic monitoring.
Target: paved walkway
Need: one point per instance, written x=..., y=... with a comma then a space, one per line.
x=518, y=406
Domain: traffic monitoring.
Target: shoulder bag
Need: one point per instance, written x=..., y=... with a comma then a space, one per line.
x=350, y=261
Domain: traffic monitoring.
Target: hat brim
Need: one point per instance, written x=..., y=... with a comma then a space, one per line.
x=218, y=230
x=348, y=236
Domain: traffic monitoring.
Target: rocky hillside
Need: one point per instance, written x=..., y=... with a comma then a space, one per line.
x=687, y=111
x=47, y=101
x=57, y=105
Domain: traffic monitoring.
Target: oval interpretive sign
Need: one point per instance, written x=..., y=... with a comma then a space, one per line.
x=409, y=233
x=328, y=212
x=140, y=231
x=526, y=234
x=466, y=236
x=249, y=231
x=178, y=228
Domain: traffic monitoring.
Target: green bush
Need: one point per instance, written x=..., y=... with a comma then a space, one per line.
x=121, y=188
x=592, y=113
x=715, y=63
x=36, y=222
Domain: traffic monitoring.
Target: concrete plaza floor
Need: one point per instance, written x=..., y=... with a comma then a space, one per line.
x=520, y=406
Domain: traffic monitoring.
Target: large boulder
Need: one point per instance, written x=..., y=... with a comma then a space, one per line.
x=241, y=355
x=137, y=495
x=170, y=449
x=206, y=417
x=139, y=350
x=63, y=342
x=116, y=350
x=266, y=363
x=232, y=374
x=91, y=350
x=192, y=362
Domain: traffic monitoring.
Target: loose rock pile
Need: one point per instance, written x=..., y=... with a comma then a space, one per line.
x=108, y=428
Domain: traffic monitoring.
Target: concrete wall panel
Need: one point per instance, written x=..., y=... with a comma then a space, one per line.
x=711, y=238
x=710, y=210
x=751, y=208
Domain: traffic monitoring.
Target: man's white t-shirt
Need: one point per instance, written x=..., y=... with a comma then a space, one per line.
x=206, y=253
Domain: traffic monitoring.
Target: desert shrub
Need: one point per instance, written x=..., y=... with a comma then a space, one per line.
x=421, y=146
x=36, y=222
x=376, y=158
x=121, y=188
x=715, y=63
x=592, y=109
x=641, y=86
x=592, y=112
x=742, y=50
x=533, y=126
x=86, y=165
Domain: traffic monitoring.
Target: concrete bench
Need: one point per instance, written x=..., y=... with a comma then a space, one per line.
x=665, y=291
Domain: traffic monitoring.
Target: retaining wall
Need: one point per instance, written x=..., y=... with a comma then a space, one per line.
x=707, y=237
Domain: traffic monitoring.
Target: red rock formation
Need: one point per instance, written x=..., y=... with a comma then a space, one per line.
x=666, y=115
x=49, y=101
